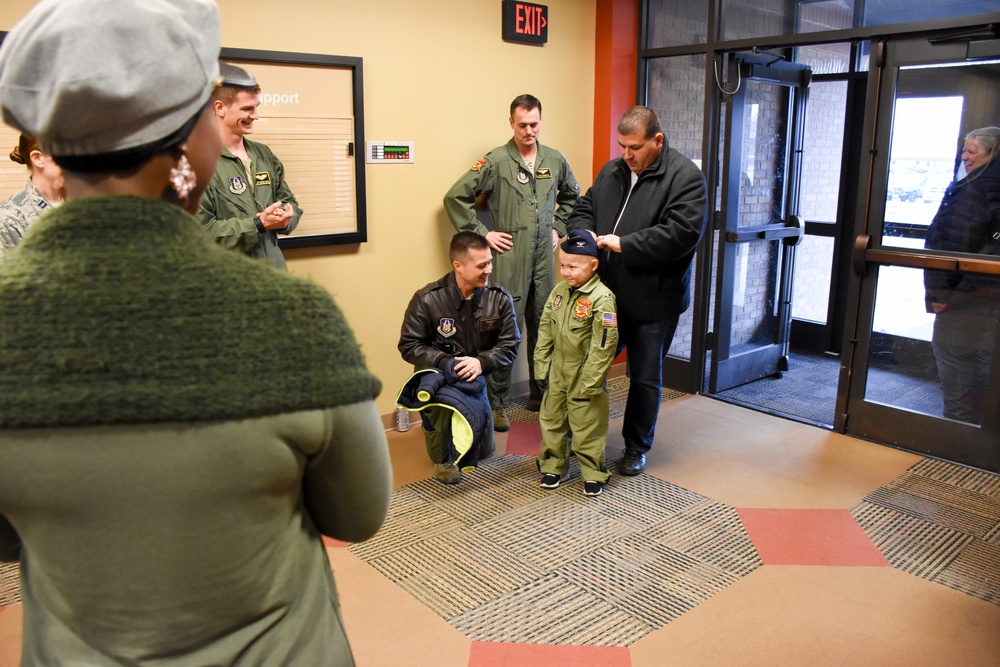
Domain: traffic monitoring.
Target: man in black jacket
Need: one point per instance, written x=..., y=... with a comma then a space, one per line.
x=647, y=211
x=460, y=316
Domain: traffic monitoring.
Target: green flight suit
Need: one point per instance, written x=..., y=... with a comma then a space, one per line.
x=230, y=204
x=577, y=341
x=528, y=206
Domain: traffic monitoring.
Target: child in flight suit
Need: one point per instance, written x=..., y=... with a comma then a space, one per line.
x=577, y=340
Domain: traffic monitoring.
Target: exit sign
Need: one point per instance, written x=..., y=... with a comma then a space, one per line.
x=525, y=22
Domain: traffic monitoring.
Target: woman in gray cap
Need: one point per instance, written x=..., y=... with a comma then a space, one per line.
x=163, y=482
x=45, y=188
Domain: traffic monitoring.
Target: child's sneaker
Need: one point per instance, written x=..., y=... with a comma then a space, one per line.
x=592, y=488
x=552, y=481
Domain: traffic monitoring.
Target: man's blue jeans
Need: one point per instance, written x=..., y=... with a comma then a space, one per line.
x=647, y=343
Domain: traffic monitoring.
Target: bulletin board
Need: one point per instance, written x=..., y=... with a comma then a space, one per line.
x=312, y=117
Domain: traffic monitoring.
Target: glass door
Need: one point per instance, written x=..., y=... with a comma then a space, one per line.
x=920, y=370
x=760, y=226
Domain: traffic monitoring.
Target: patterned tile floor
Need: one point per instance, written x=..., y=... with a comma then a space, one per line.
x=504, y=561
x=728, y=495
x=569, y=569
x=941, y=522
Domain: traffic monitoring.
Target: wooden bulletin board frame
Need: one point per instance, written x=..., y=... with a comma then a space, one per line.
x=314, y=230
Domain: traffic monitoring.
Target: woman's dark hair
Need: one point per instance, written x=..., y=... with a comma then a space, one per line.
x=22, y=152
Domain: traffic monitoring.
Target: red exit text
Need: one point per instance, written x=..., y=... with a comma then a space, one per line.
x=525, y=22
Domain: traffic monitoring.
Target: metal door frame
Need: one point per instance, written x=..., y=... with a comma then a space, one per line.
x=725, y=370
x=926, y=434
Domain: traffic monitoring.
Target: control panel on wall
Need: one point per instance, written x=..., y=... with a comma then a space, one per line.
x=389, y=152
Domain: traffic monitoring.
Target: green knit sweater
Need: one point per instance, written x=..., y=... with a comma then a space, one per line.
x=118, y=310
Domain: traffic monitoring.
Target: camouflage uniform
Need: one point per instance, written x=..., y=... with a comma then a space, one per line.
x=17, y=212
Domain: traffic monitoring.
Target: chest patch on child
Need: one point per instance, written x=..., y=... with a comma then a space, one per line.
x=556, y=302
x=581, y=309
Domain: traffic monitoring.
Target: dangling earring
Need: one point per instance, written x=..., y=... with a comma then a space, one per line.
x=183, y=178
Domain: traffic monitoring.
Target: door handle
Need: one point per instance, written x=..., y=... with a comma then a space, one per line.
x=790, y=233
x=798, y=226
x=864, y=254
x=858, y=260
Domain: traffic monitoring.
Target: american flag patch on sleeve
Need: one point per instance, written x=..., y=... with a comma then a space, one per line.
x=610, y=320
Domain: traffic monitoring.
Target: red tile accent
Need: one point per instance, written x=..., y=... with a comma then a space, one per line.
x=330, y=542
x=524, y=439
x=495, y=654
x=810, y=537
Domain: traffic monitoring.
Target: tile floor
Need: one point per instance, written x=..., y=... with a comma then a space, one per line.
x=834, y=521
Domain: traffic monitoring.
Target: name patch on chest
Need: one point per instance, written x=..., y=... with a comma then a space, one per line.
x=262, y=178
x=543, y=172
x=489, y=324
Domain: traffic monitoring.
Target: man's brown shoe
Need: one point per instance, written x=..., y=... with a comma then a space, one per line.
x=447, y=474
x=500, y=421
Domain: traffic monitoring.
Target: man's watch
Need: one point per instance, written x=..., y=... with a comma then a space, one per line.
x=259, y=225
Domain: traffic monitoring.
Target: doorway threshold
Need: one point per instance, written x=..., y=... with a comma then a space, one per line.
x=806, y=392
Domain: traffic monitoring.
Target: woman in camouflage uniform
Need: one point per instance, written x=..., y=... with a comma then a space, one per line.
x=44, y=189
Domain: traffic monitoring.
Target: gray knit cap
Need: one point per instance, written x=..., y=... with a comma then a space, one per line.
x=90, y=77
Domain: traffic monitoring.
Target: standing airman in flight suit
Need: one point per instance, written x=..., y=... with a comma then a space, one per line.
x=577, y=340
x=248, y=202
x=530, y=191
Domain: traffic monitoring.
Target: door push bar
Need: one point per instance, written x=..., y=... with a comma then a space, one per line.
x=864, y=254
x=791, y=233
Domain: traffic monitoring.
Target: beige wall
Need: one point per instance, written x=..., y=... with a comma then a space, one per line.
x=437, y=74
